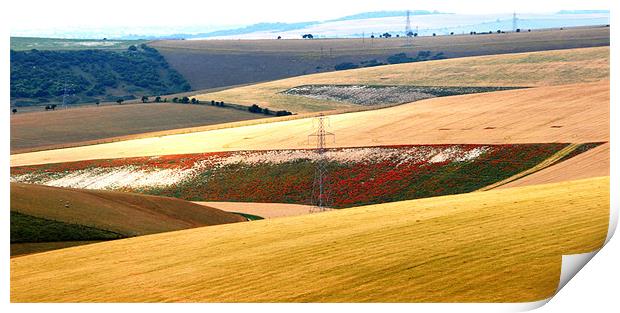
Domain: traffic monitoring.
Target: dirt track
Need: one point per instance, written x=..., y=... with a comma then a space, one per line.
x=570, y=113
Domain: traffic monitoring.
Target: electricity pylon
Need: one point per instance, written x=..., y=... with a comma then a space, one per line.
x=321, y=199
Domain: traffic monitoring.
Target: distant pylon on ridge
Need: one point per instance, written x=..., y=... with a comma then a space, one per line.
x=408, y=31
x=321, y=199
x=514, y=21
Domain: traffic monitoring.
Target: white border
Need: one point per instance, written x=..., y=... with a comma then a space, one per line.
x=595, y=286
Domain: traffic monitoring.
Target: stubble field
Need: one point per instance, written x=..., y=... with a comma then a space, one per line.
x=486, y=246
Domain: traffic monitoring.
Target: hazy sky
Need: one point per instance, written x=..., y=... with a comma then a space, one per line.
x=30, y=14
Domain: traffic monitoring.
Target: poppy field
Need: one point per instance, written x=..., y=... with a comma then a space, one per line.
x=356, y=176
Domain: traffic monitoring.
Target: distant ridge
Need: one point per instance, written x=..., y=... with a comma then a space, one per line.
x=583, y=12
x=380, y=14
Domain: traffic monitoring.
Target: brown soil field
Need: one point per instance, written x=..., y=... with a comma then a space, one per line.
x=593, y=163
x=544, y=68
x=576, y=113
x=264, y=210
x=124, y=213
x=83, y=124
x=214, y=63
x=495, y=246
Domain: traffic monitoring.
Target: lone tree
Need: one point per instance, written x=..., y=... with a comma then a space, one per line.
x=54, y=107
x=14, y=110
x=120, y=101
x=307, y=36
x=255, y=108
x=97, y=102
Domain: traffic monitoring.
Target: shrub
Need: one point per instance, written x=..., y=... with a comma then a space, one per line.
x=345, y=66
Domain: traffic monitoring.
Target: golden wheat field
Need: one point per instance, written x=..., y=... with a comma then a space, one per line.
x=495, y=246
x=544, y=68
x=568, y=113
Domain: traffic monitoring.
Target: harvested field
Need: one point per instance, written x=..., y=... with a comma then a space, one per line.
x=122, y=213
x=592, y=163
x=357, y=176
x=214, y=63
x=476, y=247
x=576, y=113
x=264, y=210
x=545, y=68
x=43, y=129
x=373, y=95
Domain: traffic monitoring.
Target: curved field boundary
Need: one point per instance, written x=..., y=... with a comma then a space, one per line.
x=495, y=246
x=127, y=214
x=567, y=113
x=544, y=164
x=264, y=210
x=189, y=130
x=355, y=176
x=591, y=163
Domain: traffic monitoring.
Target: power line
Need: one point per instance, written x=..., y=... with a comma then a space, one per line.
x=321, y=199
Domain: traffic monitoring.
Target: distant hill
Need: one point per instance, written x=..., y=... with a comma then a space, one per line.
x=260, y=27
x=44, y=76
x=29, y=43
x=424, y=22
x=583, y=11
x=379, y=14
x=122, y=213
x=46, y=218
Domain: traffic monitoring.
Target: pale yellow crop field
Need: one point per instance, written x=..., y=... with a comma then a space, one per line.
x=545, y=68
x=495, y=246
x=568, y=113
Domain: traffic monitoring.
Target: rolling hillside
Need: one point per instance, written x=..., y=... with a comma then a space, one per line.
x=355, y=176
x=45, y=77
x=88, y=125
x=97, y=125
x=214, y=63
x=544, y=68
x=123, y=213
x=591, y=163
x=576, y=113
x=496, y=246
